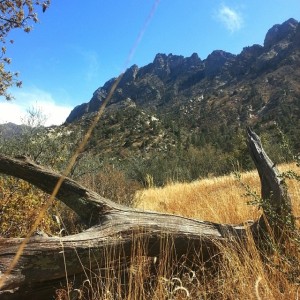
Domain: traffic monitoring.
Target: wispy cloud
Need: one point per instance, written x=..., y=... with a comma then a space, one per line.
x=230, y=18
x=92, y=68
x=90, y=63
x=15, y=111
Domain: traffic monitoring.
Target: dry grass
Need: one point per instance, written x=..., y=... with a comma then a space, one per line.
x=216, y=199
x=241, y=272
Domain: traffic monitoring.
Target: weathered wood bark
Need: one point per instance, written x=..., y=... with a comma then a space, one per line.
x=276, y=203
x=115, y=227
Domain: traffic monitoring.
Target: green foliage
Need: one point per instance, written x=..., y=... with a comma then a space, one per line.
x=181, y=165
x=255, y=199
x=20, y=204
x=290, y=174
x=278, y=144
x=51, y=147
x=112, y=183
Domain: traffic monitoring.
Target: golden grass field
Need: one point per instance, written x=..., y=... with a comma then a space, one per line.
x=216, y=199
x=242, y=273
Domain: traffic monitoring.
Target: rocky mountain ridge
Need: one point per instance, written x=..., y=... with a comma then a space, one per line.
x=171, y=82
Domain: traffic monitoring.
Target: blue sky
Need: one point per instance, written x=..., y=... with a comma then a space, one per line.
x=79, y=45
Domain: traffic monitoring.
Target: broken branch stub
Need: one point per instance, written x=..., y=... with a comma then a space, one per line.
x=276, y=201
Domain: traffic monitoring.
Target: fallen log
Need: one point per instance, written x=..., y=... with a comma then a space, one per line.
x=44, y=261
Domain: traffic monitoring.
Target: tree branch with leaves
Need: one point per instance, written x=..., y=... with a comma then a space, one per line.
x=15, y=14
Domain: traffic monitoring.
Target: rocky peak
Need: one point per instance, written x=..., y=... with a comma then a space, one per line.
x=129, y=75
x=174, y=61
x=160, y=60
x=165, y=65
x=279, y=32
x=131, y=72
x=194, y=59
x=216, y=60
x=160, y=65
x=219, y=56
x=252, y=51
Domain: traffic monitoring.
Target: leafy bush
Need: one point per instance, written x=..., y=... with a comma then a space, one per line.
x=20, y=204
x=113, y=184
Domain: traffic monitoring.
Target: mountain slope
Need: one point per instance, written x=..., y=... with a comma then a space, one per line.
x=177, y=104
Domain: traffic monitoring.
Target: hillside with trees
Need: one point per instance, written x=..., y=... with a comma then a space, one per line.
x=181, y=118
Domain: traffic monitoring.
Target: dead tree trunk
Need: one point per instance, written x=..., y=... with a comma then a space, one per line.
x=277, y=216
x=44, y=261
